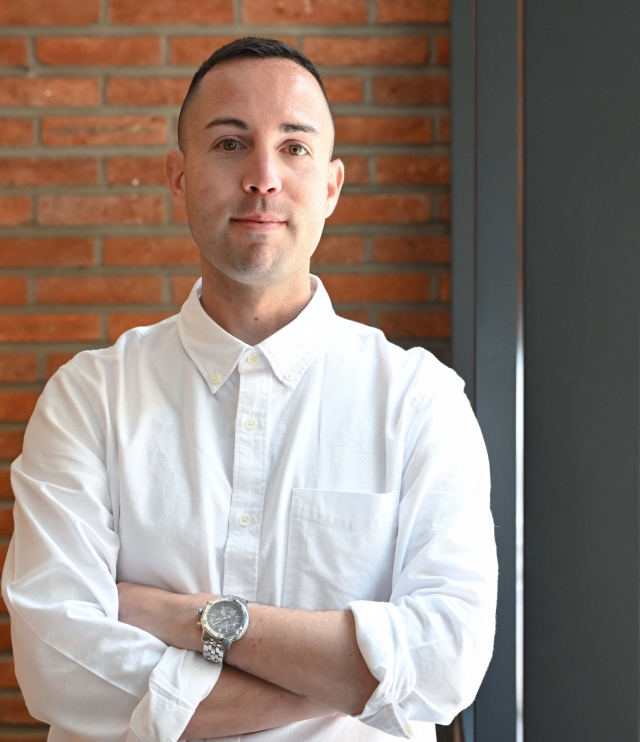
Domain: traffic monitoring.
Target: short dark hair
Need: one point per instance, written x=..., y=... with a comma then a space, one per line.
x=247, y=47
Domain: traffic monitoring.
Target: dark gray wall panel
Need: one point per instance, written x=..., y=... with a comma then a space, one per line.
x=582, y=371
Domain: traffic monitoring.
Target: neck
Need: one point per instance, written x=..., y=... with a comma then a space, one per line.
x=253, y=313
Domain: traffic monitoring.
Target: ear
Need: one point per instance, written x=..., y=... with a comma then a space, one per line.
x=334, y=185
x=174, y=168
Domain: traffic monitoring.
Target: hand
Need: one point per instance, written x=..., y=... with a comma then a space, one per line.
x=170, y=617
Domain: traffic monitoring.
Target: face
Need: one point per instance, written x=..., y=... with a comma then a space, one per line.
x=257, y=180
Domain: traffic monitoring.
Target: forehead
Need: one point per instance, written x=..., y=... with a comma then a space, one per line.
x=273, y=89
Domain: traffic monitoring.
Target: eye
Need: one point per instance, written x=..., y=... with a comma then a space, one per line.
x=228, y=145
x=297, y=150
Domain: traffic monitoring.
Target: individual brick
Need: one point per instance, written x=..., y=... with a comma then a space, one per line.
x=443, y=51
x=147, y=91
x=15, y=132
x=17, y=367
x=10, y=446
x=13, y=52
x=162, y=251
x=120, y=322
x=178, y=214
x=99, y=290
x=39, y=171
x=6, y=493
x=373, y=50
x=396, y=287
x=17, y=407
x=339, y=250
x=49, y=327
x=13, y=710
x=412, y=89
x=343, y=89
x=432, y=169
x=412, y=249
x=171, y=12
x=93, y=51
x=124, y=209
x=444, y=129
x=13, y=290
x=7, y=672
x=135, y=171
x=47, y=13
x=356, y=168
x=181, y=287
x=55, y=360
x=444, y=287
x=44, y=252
x=415, y=323
x=444, y=207
x=15, y=210
x=193, y=50
x=49, y=91
x=413, y=11
x=383, y=130
x=6, y=529
x=407, y=208
x=62, y=131
x=361, y=317
x=305, y=12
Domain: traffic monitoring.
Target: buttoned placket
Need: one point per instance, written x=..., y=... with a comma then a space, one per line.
x=249, y=476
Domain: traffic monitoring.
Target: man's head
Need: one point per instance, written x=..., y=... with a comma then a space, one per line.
x=254, y=168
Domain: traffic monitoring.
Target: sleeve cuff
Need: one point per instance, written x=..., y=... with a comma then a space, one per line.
x=378, y=643
x=177, y=685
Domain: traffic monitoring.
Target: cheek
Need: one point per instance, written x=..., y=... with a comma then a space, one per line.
x=308, y=189
x=207, y=187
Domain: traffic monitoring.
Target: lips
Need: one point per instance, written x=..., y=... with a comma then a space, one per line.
x=259, y=218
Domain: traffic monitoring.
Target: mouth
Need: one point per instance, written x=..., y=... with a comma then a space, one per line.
x=259, y=221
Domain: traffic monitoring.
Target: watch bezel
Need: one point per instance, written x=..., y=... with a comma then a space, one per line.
x=238, y=633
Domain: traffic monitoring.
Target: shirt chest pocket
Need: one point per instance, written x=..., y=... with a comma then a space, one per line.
x=340, y=548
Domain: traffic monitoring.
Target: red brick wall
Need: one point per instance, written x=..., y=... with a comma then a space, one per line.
x=89, y=243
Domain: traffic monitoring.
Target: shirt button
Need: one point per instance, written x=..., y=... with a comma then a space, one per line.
x=288, y=376
x=216, y=378
x=253, y=359
x=409, y=731
x=244, y=519
x=251, y=423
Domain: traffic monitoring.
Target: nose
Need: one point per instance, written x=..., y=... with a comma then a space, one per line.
x=261, y=176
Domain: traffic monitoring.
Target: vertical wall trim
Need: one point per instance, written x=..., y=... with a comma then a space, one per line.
x=463, y=191
x=488, y=342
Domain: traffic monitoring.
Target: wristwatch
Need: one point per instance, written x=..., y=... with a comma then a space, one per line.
x=223, y=621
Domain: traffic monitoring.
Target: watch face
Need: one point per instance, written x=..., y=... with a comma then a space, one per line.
x=225, y=619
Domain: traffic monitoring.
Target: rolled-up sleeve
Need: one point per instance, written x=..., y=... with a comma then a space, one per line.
x=79, y=668
x=431, y=644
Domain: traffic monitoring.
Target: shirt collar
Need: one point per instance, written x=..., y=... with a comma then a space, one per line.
x=290, y=351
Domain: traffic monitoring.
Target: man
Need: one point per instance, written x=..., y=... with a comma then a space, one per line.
x=313, y=497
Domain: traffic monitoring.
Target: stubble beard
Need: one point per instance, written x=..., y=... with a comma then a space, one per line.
x=252, y=258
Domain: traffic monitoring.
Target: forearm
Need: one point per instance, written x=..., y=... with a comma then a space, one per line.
x=241, y=703
x=313, y=654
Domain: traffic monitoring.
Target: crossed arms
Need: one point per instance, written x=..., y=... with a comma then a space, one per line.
x=290, y=665
x=105, y=663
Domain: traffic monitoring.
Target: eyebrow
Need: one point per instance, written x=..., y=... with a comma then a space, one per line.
x=288, y=127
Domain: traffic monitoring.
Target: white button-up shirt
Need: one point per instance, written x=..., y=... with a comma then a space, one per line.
x=324, y=468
